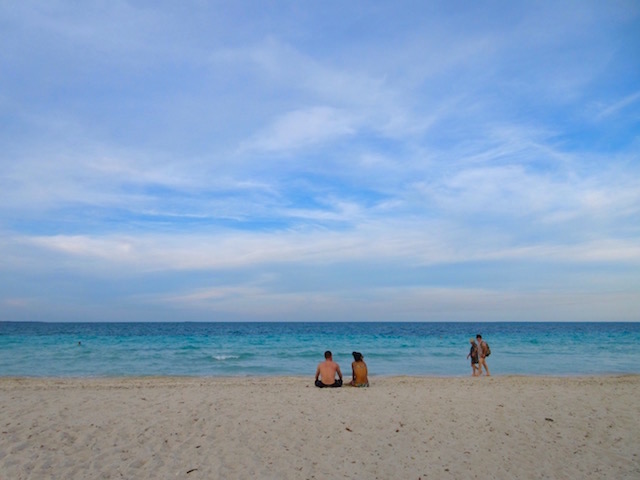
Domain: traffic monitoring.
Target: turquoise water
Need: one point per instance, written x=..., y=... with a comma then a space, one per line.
x=240, y=349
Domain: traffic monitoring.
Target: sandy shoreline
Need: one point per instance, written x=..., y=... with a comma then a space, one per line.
x=284, y=428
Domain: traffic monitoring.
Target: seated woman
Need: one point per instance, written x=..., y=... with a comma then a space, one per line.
x=359, y=371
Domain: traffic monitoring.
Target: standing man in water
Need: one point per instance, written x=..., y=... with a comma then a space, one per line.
x=326, y=373
x=482, y=354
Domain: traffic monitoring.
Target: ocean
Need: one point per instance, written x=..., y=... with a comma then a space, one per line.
x=262, y=349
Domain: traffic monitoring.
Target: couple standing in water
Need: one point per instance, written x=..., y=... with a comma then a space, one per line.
x=327, y=371
x=478, y=354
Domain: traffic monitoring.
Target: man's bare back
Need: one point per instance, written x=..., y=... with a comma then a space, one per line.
x=326, y=372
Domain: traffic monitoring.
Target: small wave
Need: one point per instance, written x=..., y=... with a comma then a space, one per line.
x=225, y=357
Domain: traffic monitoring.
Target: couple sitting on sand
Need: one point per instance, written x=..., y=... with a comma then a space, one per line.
x=327, y=370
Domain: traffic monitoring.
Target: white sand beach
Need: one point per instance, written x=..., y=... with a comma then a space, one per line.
x=285, y=428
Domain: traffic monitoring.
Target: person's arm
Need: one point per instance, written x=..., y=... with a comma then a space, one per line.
x=339, y=372
x=317, y=373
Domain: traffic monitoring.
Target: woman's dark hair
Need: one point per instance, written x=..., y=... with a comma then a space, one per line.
x=357, y=356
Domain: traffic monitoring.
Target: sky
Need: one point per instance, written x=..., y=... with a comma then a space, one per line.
x=320, y=161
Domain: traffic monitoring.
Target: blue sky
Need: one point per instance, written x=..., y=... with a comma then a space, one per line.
x=400, y=161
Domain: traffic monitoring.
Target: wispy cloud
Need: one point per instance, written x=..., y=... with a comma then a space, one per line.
x=616, y=107
x=304, y=128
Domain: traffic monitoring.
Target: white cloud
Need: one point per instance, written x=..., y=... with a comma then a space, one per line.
x=401, y=243
x=16, y=302
x=303, y=128
x=618, y=106
x=407, y=304
x=345, y=98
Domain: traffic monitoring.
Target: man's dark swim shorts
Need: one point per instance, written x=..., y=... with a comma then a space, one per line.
x=336, y=384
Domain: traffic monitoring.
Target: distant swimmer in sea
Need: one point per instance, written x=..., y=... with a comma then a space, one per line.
x=473, y=354
x=483, y=353
x=359, y=372
x=326, y=373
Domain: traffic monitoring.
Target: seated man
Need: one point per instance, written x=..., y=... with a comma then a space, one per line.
x=326, y=372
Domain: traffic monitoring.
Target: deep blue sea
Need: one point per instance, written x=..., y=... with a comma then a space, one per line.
x=258, y=349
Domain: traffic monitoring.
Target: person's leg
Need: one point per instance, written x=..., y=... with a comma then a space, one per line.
x=486, y=367
x=483, y=362
x=319, y=384
x=337, y=383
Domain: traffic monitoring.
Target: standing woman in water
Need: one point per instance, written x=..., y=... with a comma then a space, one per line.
x=359, y=371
